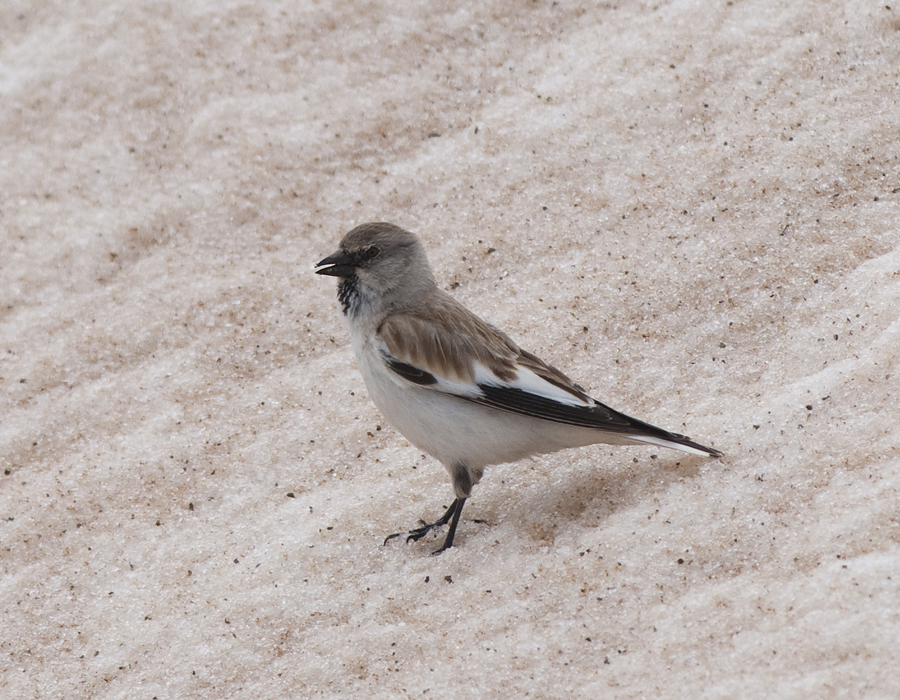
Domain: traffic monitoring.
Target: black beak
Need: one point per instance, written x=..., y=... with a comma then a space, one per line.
x=340, y=264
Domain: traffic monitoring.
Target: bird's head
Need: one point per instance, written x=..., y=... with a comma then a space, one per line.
x=381, y=265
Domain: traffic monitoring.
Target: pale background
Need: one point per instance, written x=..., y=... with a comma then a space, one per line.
x=690, y=207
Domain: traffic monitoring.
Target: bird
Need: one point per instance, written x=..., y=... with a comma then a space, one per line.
x=455, y=386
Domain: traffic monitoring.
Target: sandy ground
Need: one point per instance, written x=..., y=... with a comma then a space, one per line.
x=690, y=207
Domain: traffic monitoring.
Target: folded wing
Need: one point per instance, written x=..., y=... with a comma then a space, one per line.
x=458, y=354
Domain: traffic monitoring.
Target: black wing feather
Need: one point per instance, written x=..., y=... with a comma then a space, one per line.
x=598, y=416
x=410, y=373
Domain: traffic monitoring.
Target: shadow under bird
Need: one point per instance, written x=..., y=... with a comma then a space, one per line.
x=455, y=386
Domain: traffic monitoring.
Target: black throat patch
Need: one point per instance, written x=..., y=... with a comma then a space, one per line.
x=348, y=293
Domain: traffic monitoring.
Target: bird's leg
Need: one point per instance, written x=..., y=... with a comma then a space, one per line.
x=417, y=534
x=459, y=503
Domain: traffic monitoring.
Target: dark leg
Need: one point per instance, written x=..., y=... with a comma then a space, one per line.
x=420, y=532
x=459, y=503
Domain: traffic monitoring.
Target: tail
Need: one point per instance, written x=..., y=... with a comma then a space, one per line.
x=676, y=442
x=642, y=432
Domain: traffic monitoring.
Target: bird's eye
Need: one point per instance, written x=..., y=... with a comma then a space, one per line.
x=371, y=253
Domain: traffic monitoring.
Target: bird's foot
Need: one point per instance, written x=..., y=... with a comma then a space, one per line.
x=453, y=512
x=420, y=532
x=416, y=534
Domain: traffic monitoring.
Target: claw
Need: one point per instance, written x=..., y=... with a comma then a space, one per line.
x=453, y=512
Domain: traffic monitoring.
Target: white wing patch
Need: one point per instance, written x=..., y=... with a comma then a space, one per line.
x=529, y=382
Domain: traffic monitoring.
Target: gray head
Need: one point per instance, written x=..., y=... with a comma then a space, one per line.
x=382, y=268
